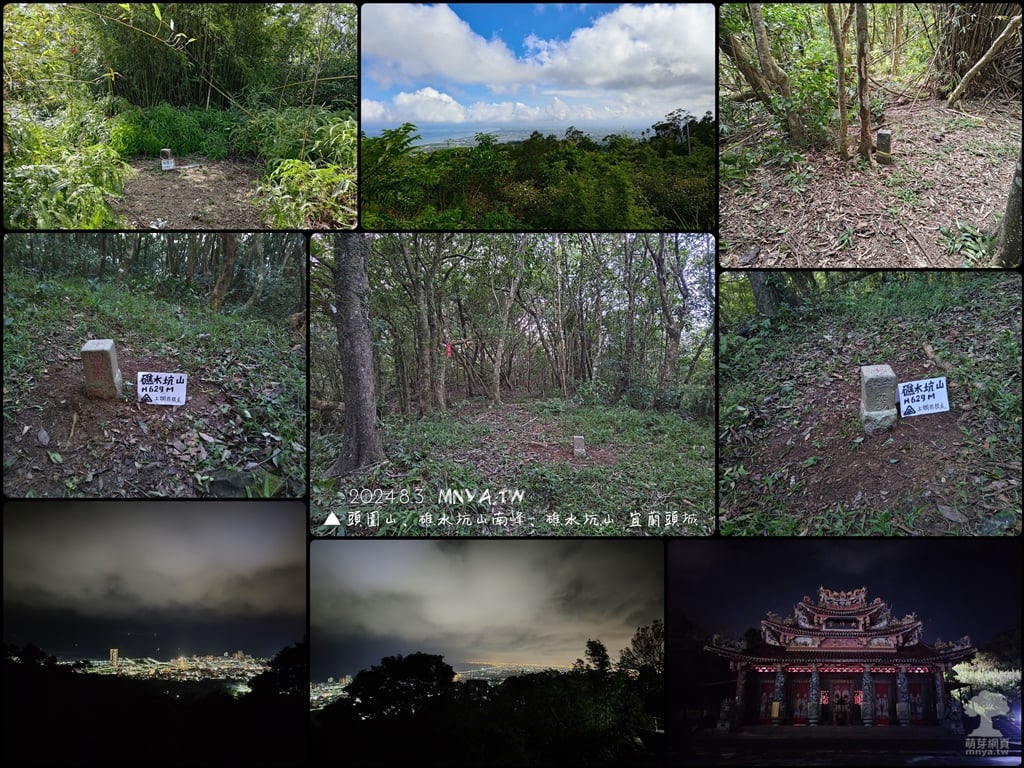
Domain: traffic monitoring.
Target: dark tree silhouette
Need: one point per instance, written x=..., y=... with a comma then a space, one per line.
x=597, y=657
x=646, y=650
x=288, y=674
x=399, y=685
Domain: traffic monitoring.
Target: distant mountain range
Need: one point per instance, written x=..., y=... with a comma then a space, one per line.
x=447, y=135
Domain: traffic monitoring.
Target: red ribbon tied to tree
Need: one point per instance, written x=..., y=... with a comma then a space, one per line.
x=448, y=349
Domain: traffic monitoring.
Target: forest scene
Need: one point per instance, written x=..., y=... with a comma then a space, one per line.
x=227, y=310
x=882, y=135
x=473, y=362
x=794, y=455
x=256, y=103
x=664, y=180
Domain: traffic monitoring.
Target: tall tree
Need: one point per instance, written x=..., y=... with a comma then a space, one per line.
x=399, y=684
x=362, y=444
x=226, y=273
x=669, y=271
x=598, y=659
x=646, y=650
x=794, y=125
x=504, y=299
x=839, y=32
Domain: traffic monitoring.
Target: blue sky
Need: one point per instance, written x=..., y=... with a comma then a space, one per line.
x=536, y=64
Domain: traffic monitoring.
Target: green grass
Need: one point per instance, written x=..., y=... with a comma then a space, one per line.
x=660, y=480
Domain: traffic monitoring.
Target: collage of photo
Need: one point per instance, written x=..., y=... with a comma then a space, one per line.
x=512, y=384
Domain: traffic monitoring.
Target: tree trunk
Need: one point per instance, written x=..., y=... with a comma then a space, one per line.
x=732, y=47
x=229, y=246
x=770, y=292
x=361, y=445
x=839, y=32
x=1008, y=242
x=966, y=31
x=897, y=38
x=517, y=269
x=794, y=126
x=862, y=81
x=672, y=315
x=624, y=381
x=257, y=260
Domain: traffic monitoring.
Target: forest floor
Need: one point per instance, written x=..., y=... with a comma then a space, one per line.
x=947, y=186
x=218, y=194
x=644, y=474
x=794, y=458
x=241, y=432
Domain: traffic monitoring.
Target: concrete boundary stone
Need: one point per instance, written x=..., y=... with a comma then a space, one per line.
x=877, y=397
x=102, y=376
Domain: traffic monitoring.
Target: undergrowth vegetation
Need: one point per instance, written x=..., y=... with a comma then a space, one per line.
x=648, y=474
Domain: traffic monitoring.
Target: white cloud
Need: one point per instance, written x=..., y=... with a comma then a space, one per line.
x=404, y=43
x=372, y=110
x=632, y=63
x=429, y=105
x=652, y=46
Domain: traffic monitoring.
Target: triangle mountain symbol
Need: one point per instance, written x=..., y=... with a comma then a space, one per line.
x=332, y=519
x=909, y=412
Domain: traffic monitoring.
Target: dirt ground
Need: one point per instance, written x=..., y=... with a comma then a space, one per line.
x=950, y=167
x=511, y=422
x=218, y=194
x=59, y=442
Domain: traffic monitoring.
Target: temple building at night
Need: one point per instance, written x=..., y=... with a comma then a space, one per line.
x=841, y=660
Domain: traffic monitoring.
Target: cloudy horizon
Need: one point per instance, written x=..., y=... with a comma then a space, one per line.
x=158, y=578
x=536, y=64
x=507, y=601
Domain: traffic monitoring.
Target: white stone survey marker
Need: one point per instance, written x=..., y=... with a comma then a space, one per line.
x=166, y=160
x=877, y=397
x=577, y=447
x=923, y=396
x=102, y=376
x=162, y=388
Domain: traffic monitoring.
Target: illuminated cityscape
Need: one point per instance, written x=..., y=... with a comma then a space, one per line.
x=237, y=667
x=493, y=673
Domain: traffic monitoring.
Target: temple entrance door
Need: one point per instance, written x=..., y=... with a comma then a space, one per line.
x=799, y=704
x=842, y=698
x=764, y=703
x=881, y=703
x=916, y=704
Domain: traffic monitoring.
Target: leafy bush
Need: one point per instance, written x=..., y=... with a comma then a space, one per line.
x=69, y=192
x=596, y=392
x=281, y=134
x=147, y=131
x=297, y=194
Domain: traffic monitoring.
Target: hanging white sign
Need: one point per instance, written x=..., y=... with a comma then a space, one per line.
x=917, y=398
x=162, y=388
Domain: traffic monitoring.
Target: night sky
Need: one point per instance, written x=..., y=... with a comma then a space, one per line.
x=957, y=587
x=157, y=579
x=511, y=601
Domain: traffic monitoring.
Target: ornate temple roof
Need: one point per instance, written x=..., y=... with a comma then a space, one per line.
x=842, y=625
